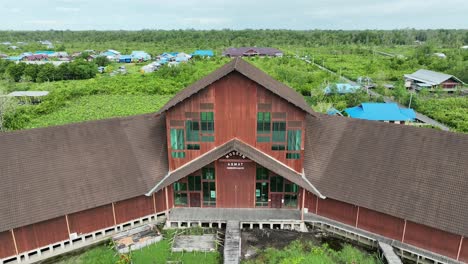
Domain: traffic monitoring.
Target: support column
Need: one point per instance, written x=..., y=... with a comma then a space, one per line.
x=316, y=205
x=14, y=241
x=68, y=225
x=113, y=213
x=404, y=231
x=460, y=247
x=167, y=200
x=357, y=217
x=154, y=203
x=302, y=207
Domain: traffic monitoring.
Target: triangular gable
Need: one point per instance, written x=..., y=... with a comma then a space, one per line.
x=249, y=71
x=250, y=152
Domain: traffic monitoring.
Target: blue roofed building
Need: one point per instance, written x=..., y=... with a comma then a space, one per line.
x=139, y=55
x=203, y=53
x=385, y=112
x=125, y=58
x=341, y=88
x=15, y=58
x=44, y=52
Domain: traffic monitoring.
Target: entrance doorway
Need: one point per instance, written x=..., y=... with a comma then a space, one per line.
x=195, y=199
x=276, y=200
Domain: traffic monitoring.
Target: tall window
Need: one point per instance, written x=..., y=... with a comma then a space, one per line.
x=180, y=194
x=177, y=142
x=261, y=187
x=192, y=130
x=276, y=184
x=294, y=144
x=194, y=183
x=207, y=122
x=209, y=187
x=263, y=122
x=279, y=132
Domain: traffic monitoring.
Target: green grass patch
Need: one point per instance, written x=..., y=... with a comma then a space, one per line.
x=305, y=252
x=100, y=107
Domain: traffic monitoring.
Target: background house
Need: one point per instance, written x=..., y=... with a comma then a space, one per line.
x=203, y=53
x=252, y=51
x=125, y=58
x=139, y=55
x=385, y=112
x=430, y=79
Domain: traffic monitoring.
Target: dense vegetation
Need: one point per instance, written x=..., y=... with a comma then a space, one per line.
x=382, y=55
x=302, y=252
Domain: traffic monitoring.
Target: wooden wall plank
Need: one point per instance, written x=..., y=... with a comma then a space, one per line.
x=133, y=208
x=343, y=212
x=91, y=220
x=41, y=234
x=380, y=223
x=7, y=246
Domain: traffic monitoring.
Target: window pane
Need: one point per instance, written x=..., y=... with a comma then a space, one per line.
x=207, y=122
x=193, y=129
x=194, y=183
x=279, y=132
x=293, y=156
x=278, y=147
x=207, y=139
x=193, y=146
x=177, y=139
x=262, y=173
x=290, y=200
x=261, y=194
x=208, y=173
x=263, y=122
x=209, y=193
x=178, y=154
x=180, y=198
x=263, y=139
x=294, y=139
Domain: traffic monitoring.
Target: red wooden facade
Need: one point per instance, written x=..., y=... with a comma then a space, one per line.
x=235, y=101
x=87, y=221
x=133, y=208
x=7, y=246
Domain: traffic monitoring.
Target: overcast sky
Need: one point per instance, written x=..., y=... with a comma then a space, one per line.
x=233, y=14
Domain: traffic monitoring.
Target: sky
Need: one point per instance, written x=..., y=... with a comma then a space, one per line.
x=233, y=14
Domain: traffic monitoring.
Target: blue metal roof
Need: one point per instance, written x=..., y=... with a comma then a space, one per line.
x=15, y=58
x=334, y=111
x=381, y=112
x=46, y=52
x=342, y=88
x=203, y=53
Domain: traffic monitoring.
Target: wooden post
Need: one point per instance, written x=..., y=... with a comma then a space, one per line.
x=460, y=247
x=167, y=199
x=113, y=213
x=68, y=225
x=14, y=241
x=316, y=205
x=302, y=208
x=357, y=217
x=154, y=203
x=404, y=231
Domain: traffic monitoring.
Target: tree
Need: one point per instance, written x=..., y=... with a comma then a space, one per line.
x=102, y=61
x=8, y=105
x=15, y=71
x=46, y=73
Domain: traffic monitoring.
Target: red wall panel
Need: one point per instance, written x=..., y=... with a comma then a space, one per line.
x=310, y=201
x=91, y=220
x=41, y=234
x=464, y=251
x=380, y=223
x=133, y=208
x=161, y=201
x=432, y=239
x=235, y=99
x=337, y=210
x=7, y=246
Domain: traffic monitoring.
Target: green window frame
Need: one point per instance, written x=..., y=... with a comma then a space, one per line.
x=263, y=122
x=278, y=147
x=262, y=173
x=294, y=140
x=207, y=122
x=208, y=174
x=209, y=193
x=290, y=200
x=279, y=132
x=180, y=199
x=194, y=183
x=192, y=128
x=180, y=186
x=261, y=194
x=276, y=184
x=193, y=146
x=291, y=187
x=177, y=139
x=178, y=154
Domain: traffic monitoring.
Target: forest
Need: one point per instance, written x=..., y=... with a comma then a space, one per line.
x=79, y=93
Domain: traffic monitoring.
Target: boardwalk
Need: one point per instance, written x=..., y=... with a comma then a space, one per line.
x=419, y=116
x=232, y=244
x=389, y=254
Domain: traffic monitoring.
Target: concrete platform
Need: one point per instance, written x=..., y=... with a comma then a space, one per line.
x=389, y=254
x=204, y=243
x=232, y=244
x=232, y=214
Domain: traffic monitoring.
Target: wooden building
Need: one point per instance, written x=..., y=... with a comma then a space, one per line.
x=234, y=139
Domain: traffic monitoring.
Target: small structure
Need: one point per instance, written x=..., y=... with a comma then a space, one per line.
x=125, y=58
x=341, y=88
x=33, y=97
x=3, y=56
x=150, y=67
x=422, y=79
x=334, y=112
x=203, y=53
x=182, y=57
x=111, y=54
x=252, y=51
x=389, y=86
x=101, y=69
x=440, y=55
x=44, y=52
x=191, y=243
x=59, y=54
x=15, y=58
x=37, y=57
x=13, y=47
x=385, y=112
x=140, y=56
x=136, y=238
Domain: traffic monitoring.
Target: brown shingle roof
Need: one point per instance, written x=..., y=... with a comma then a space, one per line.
x=251, y=72
x=249, y=151
x=418, y=174
x=50, y=172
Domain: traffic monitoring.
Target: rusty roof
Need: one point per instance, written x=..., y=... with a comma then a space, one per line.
x=50, y=172
x=418, y=174
x=248, y=70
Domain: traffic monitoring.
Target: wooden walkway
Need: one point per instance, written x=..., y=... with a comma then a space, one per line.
x=389, y=254
x=232, y=243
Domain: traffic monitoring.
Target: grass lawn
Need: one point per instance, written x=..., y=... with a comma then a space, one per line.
x=100, y=107
x=157, y=253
